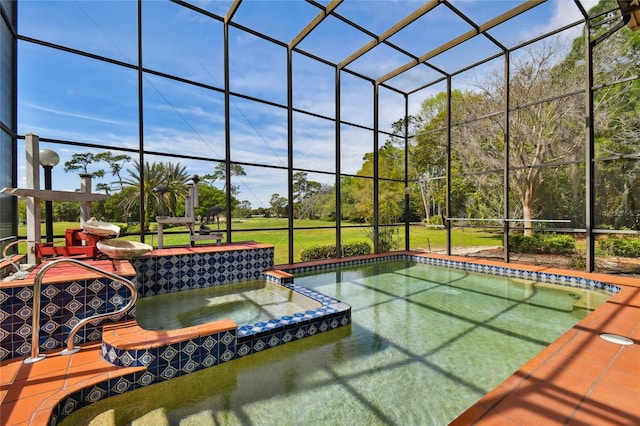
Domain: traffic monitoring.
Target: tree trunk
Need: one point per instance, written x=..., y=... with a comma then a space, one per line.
x=425, y=200
x=526, y=211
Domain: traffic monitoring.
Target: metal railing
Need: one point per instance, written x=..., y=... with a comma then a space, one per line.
x=37, y=286
x=19, y=274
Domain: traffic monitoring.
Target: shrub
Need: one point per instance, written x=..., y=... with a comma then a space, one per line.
x=330, y=251
x=356, y=249
x=559, y=244
x=579, y=260
x=318, y=252
x=620, y=246
x=543, y=244
x=388, y=239
x=132, y=229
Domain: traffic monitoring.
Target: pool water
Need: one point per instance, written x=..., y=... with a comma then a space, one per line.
x=245, y=303
x=425, y=343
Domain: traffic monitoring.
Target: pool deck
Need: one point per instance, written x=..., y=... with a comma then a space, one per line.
x=579, y=379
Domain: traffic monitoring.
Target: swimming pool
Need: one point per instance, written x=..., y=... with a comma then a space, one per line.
x=424, y=344
x=245, y=303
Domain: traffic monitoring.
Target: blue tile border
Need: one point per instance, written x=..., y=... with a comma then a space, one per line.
x=512, y=272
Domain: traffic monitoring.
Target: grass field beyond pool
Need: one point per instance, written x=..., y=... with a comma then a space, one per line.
x=269, y=231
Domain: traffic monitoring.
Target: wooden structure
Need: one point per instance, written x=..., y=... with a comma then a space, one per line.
x=191, y=202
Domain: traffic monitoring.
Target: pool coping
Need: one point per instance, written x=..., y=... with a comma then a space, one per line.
x=564, y=278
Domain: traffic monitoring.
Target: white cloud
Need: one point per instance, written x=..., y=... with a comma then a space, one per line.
x=564, y=13
x=72, y=114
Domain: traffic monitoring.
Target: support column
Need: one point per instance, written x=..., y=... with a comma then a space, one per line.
x=507, y=153
x=590, y=196
x=34, y=234
x=447, y=225
x=85, y=187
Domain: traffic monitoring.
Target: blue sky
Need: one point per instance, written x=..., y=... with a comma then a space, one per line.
x=63, y=96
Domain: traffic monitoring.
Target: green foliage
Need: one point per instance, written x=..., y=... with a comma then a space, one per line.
x=278, y=205
x=319, y=252
x=308, y=196
x=116, y=164
x=243, y=209
x=173, y=176
x=543, y=136
x=220, y=175
x=579, y=260
x=80, y=162
x=356, y=249
x=543, y=243
x=22, y=210
x=66, y=211
x=357, y=193
x=133, y=229
x=388, y=239
x=111, y=211
x=620, y=246
x=330, y=251
x=209, y=196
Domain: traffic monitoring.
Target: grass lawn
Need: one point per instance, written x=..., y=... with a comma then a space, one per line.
x=421, y=237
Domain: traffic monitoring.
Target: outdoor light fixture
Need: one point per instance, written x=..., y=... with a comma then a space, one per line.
x=48, y=160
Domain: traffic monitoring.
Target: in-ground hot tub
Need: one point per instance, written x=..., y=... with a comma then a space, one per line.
x=245, y=303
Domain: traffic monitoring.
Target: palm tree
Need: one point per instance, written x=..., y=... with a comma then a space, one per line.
x=176, y=178
x=168, y=180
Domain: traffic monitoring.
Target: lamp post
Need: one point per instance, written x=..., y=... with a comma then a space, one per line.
x=48, y=160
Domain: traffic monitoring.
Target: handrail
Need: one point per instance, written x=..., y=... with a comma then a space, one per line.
x=19, y=274
x=37, y=285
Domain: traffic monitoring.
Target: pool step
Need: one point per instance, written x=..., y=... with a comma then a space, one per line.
x=125, y=342
x=108, y=418
x=155, y=418
x=202, y=418
x=152, y=418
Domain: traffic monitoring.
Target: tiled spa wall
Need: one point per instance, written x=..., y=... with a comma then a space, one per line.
x=171, y=273
x=64, y=304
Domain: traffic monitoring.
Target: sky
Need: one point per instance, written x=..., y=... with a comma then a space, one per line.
x=64, y=96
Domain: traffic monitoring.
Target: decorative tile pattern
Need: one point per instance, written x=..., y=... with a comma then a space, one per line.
x=170, y=274
x=565, y=280
x=62, y=306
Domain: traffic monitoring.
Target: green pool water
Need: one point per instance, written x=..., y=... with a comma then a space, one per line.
x=425, y=344
x=245, y=303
